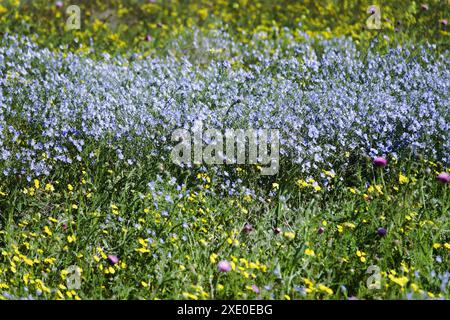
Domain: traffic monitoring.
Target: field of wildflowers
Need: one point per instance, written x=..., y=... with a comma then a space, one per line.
x=92, y=205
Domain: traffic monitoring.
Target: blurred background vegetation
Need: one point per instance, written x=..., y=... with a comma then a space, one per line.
x=148, y=26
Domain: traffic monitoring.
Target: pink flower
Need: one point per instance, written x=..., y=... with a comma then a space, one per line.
x=443, y=177
x=148, y=38
x=59, y=4
x=320, y=230
x=255, y=289
x=380, y=162
x=424, y=7
x=248, y=228
x=444, y=22
x=224, y=266
x=112, y=259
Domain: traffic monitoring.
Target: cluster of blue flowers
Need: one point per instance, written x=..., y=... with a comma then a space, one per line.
x=326, y=98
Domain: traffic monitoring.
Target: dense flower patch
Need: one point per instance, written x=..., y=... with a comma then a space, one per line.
x=92, y=205
x=326, y=99
x=150, y=25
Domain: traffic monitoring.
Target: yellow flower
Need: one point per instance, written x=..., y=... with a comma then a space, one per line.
x=47, y=231
x=325, y=289
x=352, y=190
x=36, y=183
x=402, y=179
x=310, y=252
x=143, y=250
x=289, y=235
x=350, y=225
x=302, y=183
x=401, y=281
x=203, y=13
x=213, y=258
x=414, y=287
x=361, y=255
x=191, y=296
x=3, y=9
x=379, y=188
x=71, y=238
x=70, y=187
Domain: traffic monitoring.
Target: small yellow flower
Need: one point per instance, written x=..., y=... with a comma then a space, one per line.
x=71, y=238
x=325, y=289
x=402, y=179
x=191, y=296
x=3, y=9
x=70, y=187
x=361, y=255
x=310, y=252
x=401, y=281
x=47, y=231
x=352, y=190
x=203, y=13
x=213, y=258
x=289, y=234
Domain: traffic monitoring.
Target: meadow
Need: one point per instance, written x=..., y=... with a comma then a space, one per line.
x=92, y=205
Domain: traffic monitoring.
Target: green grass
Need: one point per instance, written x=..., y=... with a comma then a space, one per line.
x=110, y=210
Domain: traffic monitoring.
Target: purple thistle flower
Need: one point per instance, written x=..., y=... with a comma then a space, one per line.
x=224, y=266
x=248, y=228
x=380, y=162
x=112, y=259
x=443, y=177
x=381, y=232
x=255, y=289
